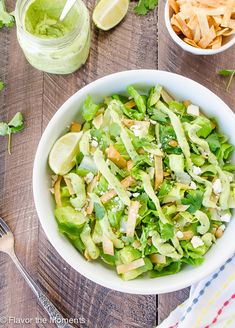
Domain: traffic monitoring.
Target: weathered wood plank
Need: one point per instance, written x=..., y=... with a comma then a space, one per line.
x=23, y=93
x=168, y=302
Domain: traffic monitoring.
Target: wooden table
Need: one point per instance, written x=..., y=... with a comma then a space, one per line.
x=138, y=42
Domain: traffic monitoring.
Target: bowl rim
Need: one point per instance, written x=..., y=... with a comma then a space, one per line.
x=149, y=290
x=187, y=47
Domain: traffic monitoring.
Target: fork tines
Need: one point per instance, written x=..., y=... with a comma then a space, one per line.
x=4, y=229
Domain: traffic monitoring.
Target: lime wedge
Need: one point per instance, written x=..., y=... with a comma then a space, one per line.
x=108, y=14
x=63, y=153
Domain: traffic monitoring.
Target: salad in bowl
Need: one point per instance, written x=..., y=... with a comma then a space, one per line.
x=144, y=182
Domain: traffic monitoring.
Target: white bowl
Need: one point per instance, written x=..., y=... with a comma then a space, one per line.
x=180, y=87
x=228, y=41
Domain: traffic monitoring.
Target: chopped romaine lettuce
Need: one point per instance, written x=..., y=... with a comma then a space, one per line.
x=153, y=183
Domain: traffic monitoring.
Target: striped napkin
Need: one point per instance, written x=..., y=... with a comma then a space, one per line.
x=211, y=303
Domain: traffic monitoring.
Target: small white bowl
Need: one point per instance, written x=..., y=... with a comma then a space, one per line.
x=228, y=42
x=181, y=88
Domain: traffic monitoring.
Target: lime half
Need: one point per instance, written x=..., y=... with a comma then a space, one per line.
x=108, y=14
x=63, y=153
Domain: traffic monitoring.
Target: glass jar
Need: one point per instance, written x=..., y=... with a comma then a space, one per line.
x=57, y=55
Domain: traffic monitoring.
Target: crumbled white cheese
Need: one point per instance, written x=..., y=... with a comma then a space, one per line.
x=204, y=154
x=159, y=145
x=179, y=234
x=136, y=129
x=129, y=194
x=89, y=177
x=193, y=185
x=226, y=217
x=217, y=187
x=153, y=122
x=94, y=143
x=222, y=227
x=116, y=198
x=136, y=194
x=193, y=110
x=197, y=170
x=196, y=242
x=123, y=226
x=151, y=157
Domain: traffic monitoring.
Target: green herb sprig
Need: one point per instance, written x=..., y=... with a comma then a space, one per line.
x=14, y=126
x=144, y=6
x=2, y=85
x=6, y=19
x=230, y=73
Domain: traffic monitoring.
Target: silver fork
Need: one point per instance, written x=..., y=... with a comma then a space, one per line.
x=7, y=246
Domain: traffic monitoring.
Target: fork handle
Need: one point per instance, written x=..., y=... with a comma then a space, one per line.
x=54, y=314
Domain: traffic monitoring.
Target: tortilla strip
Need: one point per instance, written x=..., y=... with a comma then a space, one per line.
x=193, y=22
x=231, y=24
x=221, y=32
x=176, y=29
x=230, y=32
x=203, y=23
x=214, y=11
x=206, y=40
x=209, y=3
x=57, y=192
x=184, y=27
x=127, y=182
x=228, y=13
x=191, y=42
x=173, y=4
x=217, y=42
x=218, y=19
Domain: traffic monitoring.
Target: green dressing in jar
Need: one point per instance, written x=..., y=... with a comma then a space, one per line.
x=49, y=44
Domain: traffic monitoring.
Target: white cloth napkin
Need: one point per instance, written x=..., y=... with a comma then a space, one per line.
x=211, y=303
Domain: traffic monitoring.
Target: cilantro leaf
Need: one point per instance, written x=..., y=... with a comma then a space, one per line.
x=4, y=129
x=6, y=19
x=228, y=72
x=15, y=125
x=144, y=6
x=99, y=211
x=167, y=231
x=2, y=85
x=194, y=199
x=140, y=8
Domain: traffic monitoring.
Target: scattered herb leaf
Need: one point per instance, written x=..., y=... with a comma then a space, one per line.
x=144, y=6
x=2, y=85
x=194, y=199
x=230, y=73
x=6, y=19
x=167, y=231
x=15, y=125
